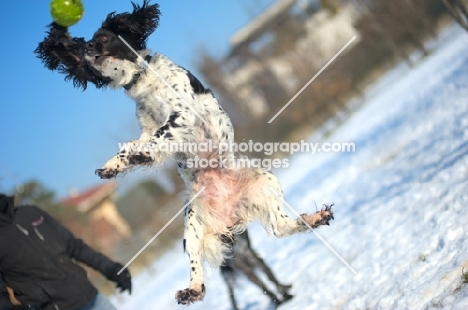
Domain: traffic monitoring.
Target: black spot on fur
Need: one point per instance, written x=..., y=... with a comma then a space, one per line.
x=171, y=121
x=161, y=131
x=197, y=86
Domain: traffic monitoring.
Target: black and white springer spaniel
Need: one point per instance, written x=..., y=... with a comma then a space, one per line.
x=172, y=105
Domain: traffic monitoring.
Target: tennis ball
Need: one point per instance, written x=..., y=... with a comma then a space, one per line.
x=66, y=12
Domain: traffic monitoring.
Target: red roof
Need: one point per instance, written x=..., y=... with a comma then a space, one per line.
x=90, y=197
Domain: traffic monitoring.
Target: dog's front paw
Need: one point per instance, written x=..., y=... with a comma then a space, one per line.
x=105, y=173
x=189, y=296
x=319, y=218
x=113, y=166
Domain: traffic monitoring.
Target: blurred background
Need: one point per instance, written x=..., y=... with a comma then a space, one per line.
x=255, y=56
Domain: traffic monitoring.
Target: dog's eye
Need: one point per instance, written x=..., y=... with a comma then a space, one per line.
x=104, y=38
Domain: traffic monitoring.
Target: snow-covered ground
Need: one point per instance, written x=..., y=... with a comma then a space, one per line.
x=401, y=205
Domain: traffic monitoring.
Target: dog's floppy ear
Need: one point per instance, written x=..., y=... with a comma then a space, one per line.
x=134, y=27
x=59, y=51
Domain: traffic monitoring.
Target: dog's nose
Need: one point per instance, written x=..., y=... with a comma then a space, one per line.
x=89, y=47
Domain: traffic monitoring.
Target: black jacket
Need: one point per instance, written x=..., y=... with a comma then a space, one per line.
x=37, y=260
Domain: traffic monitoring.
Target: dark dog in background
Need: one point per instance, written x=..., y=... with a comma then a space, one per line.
x=172, y=105
x=246, y=261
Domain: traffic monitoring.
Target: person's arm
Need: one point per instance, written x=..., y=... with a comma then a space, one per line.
x=80, y=251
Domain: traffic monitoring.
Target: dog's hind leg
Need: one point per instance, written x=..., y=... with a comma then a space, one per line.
x=193, y=246
x=269, y=200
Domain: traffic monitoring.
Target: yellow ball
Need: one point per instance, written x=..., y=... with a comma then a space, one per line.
x=66, y=12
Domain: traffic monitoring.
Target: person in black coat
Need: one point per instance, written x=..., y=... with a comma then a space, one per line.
x=37, y=261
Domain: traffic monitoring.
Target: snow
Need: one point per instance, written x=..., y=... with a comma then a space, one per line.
x=401, y=214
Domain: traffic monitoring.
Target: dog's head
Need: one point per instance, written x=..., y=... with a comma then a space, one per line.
x=108, y=52
x=102, y=59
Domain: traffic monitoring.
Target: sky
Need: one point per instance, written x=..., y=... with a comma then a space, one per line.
x=57, y=134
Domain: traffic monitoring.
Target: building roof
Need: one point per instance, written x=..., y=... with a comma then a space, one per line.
x=257, y=26
x=90, y=197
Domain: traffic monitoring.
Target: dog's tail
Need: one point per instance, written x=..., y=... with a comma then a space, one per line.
x=215, y=250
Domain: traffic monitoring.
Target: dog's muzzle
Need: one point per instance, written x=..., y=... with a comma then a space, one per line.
x=92, y=56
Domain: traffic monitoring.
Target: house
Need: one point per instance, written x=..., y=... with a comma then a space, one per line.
x=260, y=74
x=98, y=203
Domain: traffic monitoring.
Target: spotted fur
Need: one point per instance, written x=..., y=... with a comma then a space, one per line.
x=173, y=105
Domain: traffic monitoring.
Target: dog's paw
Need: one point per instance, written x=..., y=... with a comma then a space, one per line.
x=113, y=166
x=319, y=218
x=189, y=296
x=140, y=159
x=106, y=173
